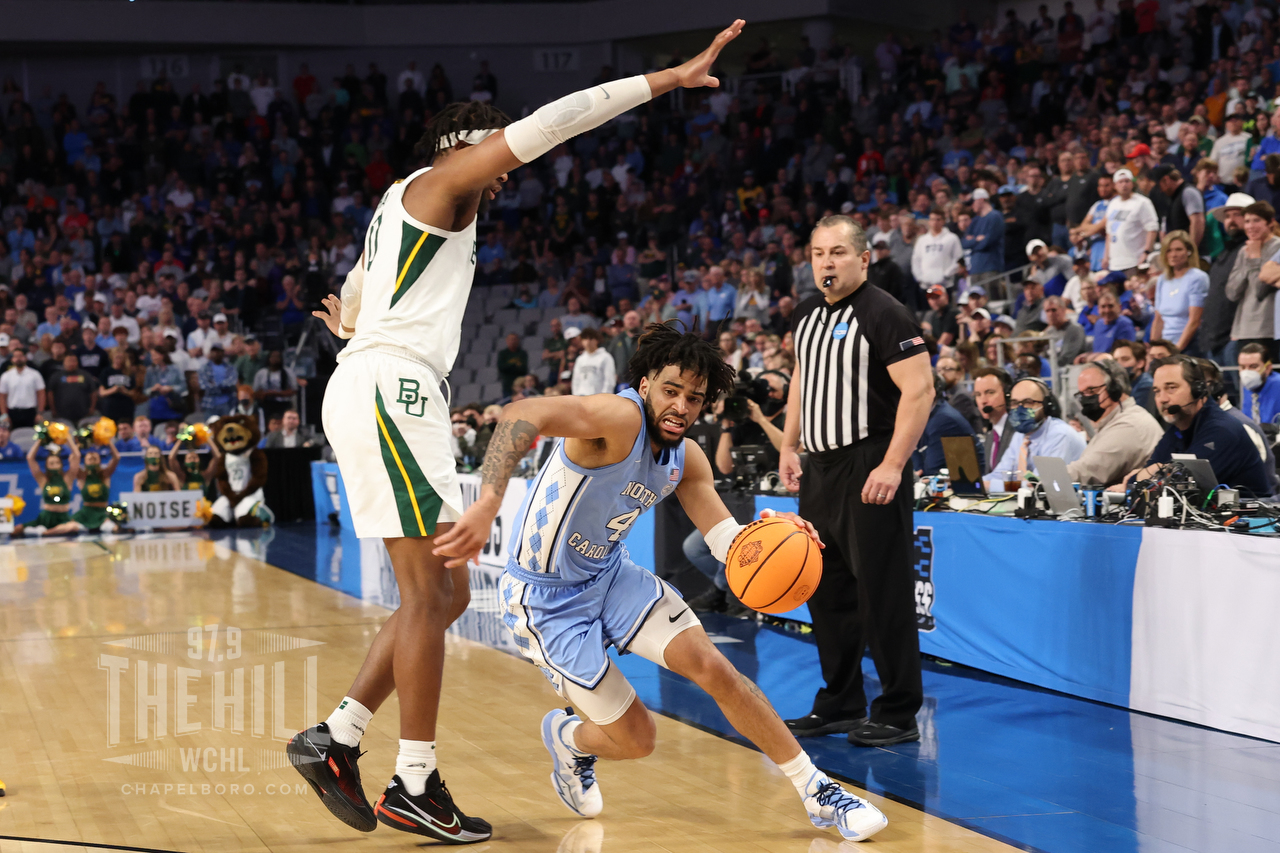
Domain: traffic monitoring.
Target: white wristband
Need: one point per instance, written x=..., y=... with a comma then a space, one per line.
x=720, y=538
x=536, y=134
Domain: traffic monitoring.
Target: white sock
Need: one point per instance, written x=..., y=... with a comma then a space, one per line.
x=566, y=737
x=807, y=778
x=348, y=721
x=415, y=763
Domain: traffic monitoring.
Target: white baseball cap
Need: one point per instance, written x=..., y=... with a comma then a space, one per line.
x=219, y=318
x=1235, y=201
x=571, y=333
x=1035, y=244
x=980, y=193
x=1122, y=174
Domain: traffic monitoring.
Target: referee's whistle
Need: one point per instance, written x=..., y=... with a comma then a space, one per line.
x=829, y=280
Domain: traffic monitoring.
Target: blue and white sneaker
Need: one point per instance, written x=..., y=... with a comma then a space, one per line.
x=830, y=805
x=573, y=775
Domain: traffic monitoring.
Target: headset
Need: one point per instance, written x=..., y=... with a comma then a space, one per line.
x=939, y=386
x=1213, y=376
x=1117, y=378
x=1052, y=408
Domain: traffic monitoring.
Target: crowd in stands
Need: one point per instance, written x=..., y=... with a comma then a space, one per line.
x=1099, y=185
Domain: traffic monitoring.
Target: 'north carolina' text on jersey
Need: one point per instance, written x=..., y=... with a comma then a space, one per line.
x=844, y=352
x=574, y=520
x=417, y=279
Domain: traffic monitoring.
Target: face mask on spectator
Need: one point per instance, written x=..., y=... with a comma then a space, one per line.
x=1023, y=420
x=1251, y=379
x=1090, y=407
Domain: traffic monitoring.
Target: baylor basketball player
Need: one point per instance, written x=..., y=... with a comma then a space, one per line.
x=386, y=418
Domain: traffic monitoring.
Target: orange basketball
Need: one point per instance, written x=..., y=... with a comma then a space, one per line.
x=773, y=566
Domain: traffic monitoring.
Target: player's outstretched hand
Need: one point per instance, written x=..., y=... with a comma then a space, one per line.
x=464, y=541
x=797, y=521
x=697, y=71
x=332, y=315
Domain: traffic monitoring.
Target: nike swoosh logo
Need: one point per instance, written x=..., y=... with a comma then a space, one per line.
x=672, y=619
x=429, y=819
x=606, y=93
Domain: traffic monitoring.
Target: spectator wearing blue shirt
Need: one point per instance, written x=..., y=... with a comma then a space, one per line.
x=1202, y=429
x=721, y=299
x=74, y=142
x=1260, y=397
x=689, y=302
x=19, y=238
x=1111, y=325
x=1181, y=291
x=944, y=421
x=52, y=324
x=1034, y=416
x=218, y=380
x=984, y=239
x=8, y=450
x=1266, y=186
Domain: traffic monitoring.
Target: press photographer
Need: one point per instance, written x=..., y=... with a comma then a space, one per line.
x=753, y=417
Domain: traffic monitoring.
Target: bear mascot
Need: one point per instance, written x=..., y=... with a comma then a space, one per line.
x=240, y=470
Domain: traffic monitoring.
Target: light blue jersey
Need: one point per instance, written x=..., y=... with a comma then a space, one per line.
x=574, y=520
x=1097, y=243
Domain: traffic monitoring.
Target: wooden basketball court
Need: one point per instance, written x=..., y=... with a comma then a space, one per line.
x=82, y=623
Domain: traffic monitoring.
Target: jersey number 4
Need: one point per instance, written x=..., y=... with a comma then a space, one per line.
x=620, y=524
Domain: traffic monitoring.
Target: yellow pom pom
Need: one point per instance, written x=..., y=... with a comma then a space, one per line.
x=58, y=432
x=104, y=431
x=18, y=505
x=204, y=510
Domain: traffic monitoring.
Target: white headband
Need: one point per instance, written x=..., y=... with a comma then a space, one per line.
x=471, y=137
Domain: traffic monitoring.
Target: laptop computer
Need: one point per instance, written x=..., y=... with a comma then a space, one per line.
x=1201, y=471
x=1058, y=489
x=963, y=466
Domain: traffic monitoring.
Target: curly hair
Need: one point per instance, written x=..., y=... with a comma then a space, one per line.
x=663, y=344
x=461, y=116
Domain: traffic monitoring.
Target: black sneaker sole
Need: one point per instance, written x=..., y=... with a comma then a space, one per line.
x=905, y=737
x=307, y=761
x=835, y=727
x=415, y=827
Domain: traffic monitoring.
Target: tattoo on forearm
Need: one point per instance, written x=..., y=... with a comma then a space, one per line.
x=759, y=694
x=510, y=442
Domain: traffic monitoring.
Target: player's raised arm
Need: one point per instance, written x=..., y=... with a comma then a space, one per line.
x=529, y=138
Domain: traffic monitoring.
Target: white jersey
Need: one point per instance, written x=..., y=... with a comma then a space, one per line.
x=411, y=285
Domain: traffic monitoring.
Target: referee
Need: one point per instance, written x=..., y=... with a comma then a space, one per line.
x=859, y=399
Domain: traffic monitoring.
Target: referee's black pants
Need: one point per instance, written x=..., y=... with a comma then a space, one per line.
x=867, y=594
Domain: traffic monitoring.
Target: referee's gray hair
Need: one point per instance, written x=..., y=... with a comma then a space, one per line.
x=857, y=236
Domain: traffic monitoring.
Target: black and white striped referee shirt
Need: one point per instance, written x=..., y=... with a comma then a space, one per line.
x=844, y=352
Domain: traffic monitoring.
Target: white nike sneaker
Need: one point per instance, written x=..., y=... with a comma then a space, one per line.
x=830, y=805
x=573, y=775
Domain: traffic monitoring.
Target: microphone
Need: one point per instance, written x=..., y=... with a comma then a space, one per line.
x=828, y=281
x=1174, y=410
x=988, y=409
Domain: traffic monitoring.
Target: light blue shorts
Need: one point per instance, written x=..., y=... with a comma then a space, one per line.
x=567, y=630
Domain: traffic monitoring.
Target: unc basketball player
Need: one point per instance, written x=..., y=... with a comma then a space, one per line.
x=570, y=589
x=385, y=416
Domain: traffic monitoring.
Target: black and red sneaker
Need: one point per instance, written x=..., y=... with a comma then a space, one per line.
x=432, y=814
x=331, y=770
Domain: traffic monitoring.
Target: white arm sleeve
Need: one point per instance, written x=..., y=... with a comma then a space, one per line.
x=351, y=290
x=720, y=537
x=536, y=134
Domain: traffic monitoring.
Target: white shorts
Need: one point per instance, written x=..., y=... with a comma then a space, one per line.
x=389, y=427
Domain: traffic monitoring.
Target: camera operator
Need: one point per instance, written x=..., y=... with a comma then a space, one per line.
x=754, y=415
